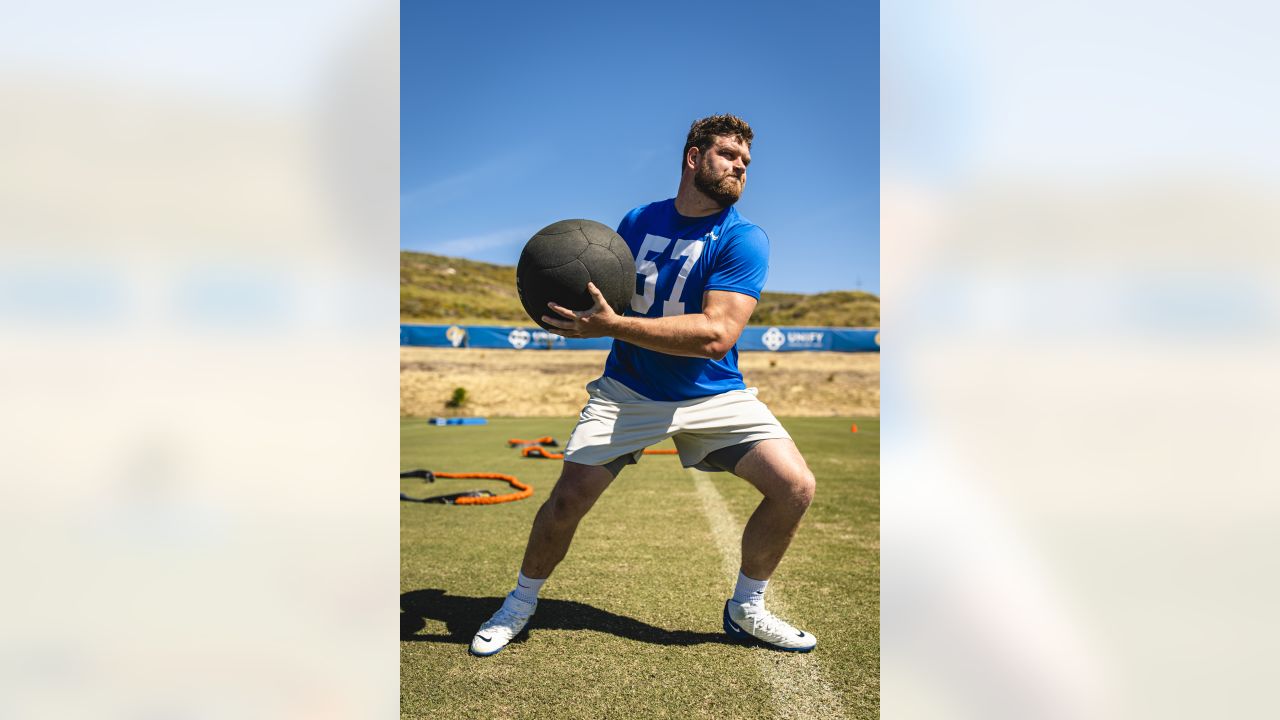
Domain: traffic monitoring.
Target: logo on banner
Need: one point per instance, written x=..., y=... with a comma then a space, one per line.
x=773, y=338
x=549, y=340
x=518, y=338
x=455, y=335
x=805, y=339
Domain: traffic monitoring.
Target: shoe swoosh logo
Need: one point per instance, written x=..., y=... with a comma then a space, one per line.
x=800, y=634
x=484, y=638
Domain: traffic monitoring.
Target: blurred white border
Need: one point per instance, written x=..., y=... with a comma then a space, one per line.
x=199, y=205
x=1080, y=312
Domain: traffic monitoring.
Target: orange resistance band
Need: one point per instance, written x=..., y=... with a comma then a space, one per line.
x=544, y=440
x=522, y=491
x=536, y=451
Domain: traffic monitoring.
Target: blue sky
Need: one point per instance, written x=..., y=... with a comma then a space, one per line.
x=515, y=116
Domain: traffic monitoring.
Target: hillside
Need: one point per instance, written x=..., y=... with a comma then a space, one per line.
x=438, y=289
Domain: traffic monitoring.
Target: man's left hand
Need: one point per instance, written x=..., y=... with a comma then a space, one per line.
x=595, y=321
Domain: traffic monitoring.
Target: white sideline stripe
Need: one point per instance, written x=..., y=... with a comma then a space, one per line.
x=794, y=679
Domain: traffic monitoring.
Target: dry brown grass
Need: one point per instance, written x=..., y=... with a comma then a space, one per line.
x=514, y=383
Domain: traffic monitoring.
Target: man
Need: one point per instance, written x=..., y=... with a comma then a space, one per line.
x=673, y=372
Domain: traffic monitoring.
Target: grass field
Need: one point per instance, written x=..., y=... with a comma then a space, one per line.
x=629, y=624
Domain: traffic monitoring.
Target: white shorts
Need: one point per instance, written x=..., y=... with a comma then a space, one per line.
x=619, y=421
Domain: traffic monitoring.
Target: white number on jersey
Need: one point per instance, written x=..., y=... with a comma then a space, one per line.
x=691, y=250
x=653, y=245
x=641, y=302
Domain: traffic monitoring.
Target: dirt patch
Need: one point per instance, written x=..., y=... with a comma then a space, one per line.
x=516, y=383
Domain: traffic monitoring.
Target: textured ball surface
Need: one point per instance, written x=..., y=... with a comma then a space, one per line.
x=559, y=261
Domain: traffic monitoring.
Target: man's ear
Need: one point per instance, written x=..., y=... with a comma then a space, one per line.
x=691, y=157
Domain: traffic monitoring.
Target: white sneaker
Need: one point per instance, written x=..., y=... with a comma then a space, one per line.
x=748, y=621
x=503, y=626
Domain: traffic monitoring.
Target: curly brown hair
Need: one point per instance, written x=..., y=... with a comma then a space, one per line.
x=703, y=133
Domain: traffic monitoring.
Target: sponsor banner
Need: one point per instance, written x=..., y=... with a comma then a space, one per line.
x=754, y=337
x=855, y=339
x=495, y=337
x=795, y=339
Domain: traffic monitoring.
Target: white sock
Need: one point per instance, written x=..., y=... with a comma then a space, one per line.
x=749, y=590
x=527, y=588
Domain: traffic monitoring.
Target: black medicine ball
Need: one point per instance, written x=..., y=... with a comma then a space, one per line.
x=557, y=263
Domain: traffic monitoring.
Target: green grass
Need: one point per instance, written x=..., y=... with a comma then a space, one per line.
x=629, y=624
x=439, y=289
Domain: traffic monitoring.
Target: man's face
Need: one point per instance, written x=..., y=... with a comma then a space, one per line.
x=722, y=170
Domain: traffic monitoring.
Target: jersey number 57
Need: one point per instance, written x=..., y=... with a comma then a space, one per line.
x=653, y=248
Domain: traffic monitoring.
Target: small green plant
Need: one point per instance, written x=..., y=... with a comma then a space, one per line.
x=458, y=400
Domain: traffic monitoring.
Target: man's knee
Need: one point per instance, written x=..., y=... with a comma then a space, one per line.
x=800, y=488
x=796, y=486
x=569, y=504
x=576, y=491
x=778, y=470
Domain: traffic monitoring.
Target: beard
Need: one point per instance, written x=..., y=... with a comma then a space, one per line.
x=723, y=190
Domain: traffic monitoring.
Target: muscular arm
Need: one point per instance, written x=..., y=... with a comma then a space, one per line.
x=707, y=334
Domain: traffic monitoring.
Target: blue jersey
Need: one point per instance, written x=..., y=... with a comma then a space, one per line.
x=679, y=258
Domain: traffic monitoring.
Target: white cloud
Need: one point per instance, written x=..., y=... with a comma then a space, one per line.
x=452, y=187
x=469, y=245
